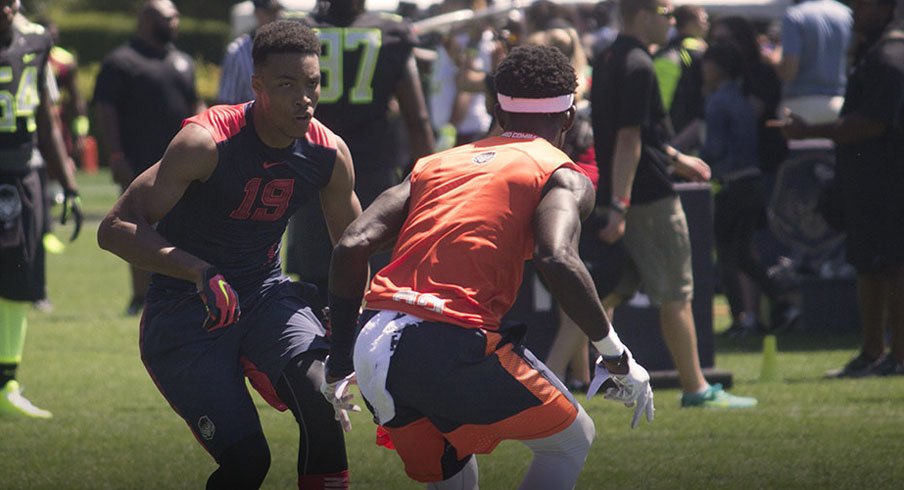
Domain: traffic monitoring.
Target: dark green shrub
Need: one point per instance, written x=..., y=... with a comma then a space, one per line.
x=208, y=9
x=91, y=35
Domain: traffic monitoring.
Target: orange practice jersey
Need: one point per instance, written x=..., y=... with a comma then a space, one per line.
x=460, y=254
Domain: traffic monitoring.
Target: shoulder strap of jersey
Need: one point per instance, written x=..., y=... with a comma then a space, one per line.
x=321, y=135
x=222, y=121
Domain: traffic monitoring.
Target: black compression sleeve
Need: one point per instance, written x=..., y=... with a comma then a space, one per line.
x=343, y=326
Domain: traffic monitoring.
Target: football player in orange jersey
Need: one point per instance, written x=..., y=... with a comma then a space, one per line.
x=433, y=360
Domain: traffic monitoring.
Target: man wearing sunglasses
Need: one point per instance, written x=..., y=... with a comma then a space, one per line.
x=631, y=130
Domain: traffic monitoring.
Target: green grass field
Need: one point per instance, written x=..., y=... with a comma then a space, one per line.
x=112, y=429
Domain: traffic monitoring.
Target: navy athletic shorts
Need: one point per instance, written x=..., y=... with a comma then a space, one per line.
x=202, y=374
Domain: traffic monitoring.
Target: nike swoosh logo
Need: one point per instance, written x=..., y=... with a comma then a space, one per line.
x=222, y=285
x=28, y=57
x=267, y=165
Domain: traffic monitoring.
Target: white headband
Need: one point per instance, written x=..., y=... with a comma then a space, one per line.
x=524, y=105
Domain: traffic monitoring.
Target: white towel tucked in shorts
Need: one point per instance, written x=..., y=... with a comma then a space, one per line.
x=373, y=351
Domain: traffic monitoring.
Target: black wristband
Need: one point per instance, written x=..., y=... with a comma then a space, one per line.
x=617, y=364
x=343, y=330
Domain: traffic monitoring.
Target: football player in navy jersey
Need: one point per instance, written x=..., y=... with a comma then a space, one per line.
x=207, y=220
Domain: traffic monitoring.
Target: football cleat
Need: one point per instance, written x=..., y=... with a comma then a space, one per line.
x=12, y=403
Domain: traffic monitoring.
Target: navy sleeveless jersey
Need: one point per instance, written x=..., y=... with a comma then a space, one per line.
x=235, y=220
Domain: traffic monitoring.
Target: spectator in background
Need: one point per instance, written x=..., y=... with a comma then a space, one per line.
x=680, y=76
x=24, y=52
x=760, y=82
x=443, y=91
x=740, y=201
x=545, y=14
x=72, y=109
x=144, y=90
x=604, y=33
x=812, y=61
x=367, y=62
x=474, y=50
x=636, y=188
x=237, y=68
x=869, y=149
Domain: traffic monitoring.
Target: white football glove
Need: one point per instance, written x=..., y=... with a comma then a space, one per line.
x=339, y=395
x=632, y=388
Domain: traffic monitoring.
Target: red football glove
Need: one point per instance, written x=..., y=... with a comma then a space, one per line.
x=220, y=300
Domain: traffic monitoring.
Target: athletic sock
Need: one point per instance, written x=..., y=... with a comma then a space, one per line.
x=327, y=481
x=13, y=322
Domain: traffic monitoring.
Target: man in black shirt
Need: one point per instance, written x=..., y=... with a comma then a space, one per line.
x=869, y=149
x=144, y=90
x=631, y=130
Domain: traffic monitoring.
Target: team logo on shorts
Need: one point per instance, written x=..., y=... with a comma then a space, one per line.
x=483, y=158
x=206, y=428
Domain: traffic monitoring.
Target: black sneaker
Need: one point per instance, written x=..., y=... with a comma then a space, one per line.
x=784, y=316
x=738, y=330
x=888, y=366
x=857, y=367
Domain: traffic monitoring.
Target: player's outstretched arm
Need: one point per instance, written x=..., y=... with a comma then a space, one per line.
x=568, y=197
x=557, y=226
x=373, y=231
x=128, y=231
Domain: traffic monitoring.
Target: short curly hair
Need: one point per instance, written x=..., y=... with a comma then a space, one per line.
x=535, y=72
x=283, y=36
